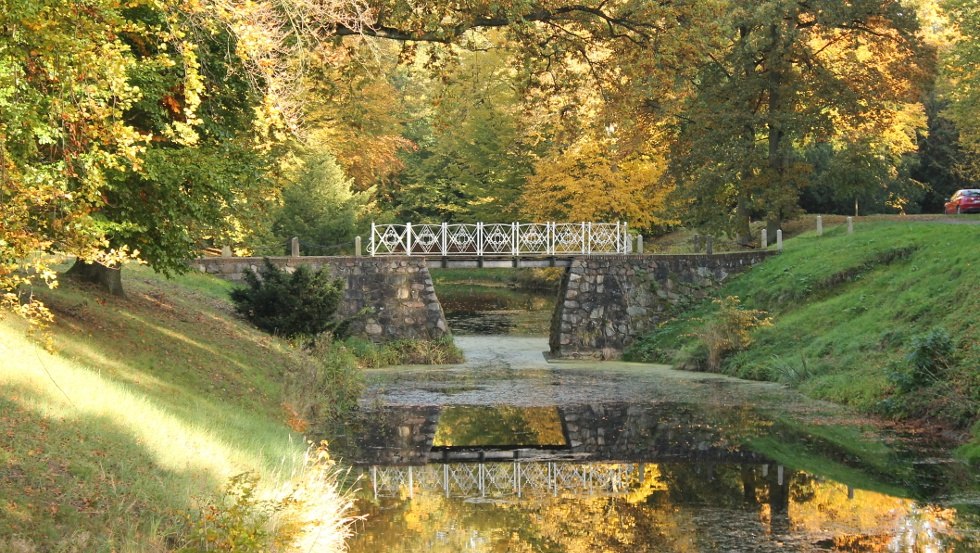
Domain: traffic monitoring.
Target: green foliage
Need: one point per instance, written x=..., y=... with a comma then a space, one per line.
x=320, y=208
x=303, y=303
x=235, y=521
x=728, y=330
x=960, y=69
x=929, y=360
x=470, y=163
x=971, y=451
x=326, y=385
x=771, y=84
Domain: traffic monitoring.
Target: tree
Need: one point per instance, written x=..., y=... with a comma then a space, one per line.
x=788, y=74
x=303, y=303
x=961, y=69
x=470, y=162
x=320, y=208
x=590, y=182
x=63, y=90
x=198, y=173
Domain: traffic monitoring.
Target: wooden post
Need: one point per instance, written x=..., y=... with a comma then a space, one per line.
x=294, y=247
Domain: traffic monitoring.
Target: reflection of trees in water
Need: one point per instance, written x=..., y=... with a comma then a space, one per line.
x=678, y=507
x=461, y=426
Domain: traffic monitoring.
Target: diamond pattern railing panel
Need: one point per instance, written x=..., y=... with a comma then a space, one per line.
x=500, y=239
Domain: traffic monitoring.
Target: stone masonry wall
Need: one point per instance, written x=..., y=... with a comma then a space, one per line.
x=396, y=293
x=606, y=302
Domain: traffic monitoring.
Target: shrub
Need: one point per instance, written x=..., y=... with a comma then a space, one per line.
x=327, y=384
x=235, y=521
x=729, y=330
x=305, y=512
x=301, y=303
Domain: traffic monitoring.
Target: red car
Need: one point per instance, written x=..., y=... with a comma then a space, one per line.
x=964, y=201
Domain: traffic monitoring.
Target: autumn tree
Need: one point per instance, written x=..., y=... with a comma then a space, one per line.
x=961, y=70
x=200, y=174
x=469, y=163
x=63, y=91
x=789, y=74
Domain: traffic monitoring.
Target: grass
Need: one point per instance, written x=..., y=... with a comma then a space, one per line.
x=526, y=278
x=846, y=312
x=142, y=412
x=404, y=352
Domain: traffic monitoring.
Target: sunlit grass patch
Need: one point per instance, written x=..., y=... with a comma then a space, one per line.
x=143, y=410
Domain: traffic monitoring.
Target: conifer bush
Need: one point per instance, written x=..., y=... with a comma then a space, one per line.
x=303, y=303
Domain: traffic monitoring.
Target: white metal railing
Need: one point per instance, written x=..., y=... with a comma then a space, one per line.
x=500, y=239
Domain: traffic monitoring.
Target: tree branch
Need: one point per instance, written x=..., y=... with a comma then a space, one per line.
x=636, y=30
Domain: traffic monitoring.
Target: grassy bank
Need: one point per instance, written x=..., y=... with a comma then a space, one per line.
x=124, y=437
x=526, y=278
x=884, y=319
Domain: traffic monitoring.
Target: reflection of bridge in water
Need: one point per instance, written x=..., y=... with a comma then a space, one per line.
x=607, y=432
x=522, y=480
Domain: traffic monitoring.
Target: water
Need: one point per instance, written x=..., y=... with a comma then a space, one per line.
x=508, y=452
x=472, y=309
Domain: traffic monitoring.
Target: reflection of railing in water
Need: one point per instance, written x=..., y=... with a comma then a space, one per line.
x=512, y=480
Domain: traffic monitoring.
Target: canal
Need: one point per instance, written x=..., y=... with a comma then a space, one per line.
x=510, y=453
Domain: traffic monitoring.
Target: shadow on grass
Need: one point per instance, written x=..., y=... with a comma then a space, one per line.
x=84, y=483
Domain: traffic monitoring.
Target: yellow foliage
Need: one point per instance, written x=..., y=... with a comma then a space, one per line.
x=590, y=182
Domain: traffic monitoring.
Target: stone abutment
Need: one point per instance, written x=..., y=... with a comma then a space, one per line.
x=606, y=302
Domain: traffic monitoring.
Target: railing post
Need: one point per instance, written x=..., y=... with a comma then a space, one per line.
x=639, y=244
x=357, y=246
x=445, y=239
x=583, y=238
x=372, y=249
x=479, y=239
x=408, y=238
x=550, y=237
x=294, y=247
x=515, y=239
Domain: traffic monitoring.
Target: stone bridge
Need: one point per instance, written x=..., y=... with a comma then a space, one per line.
x=603, y=304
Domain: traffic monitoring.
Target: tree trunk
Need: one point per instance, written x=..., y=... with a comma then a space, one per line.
x=108, y=278
x=743, y=231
